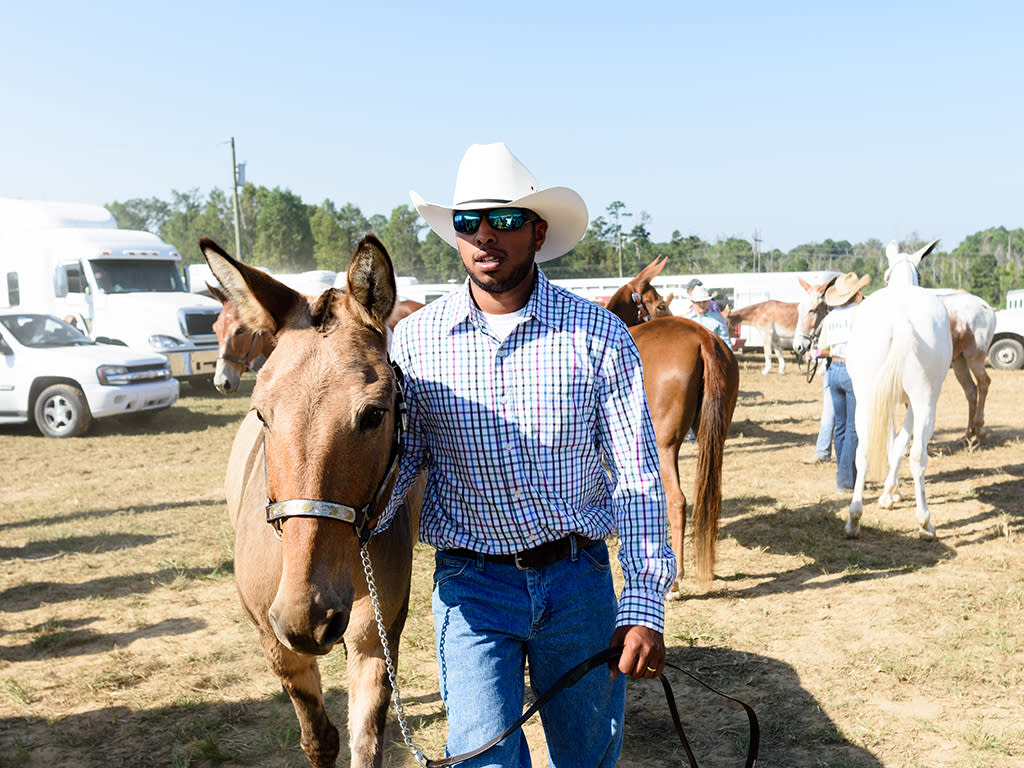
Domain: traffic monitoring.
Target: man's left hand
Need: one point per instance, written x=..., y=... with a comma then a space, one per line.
x=643, y=652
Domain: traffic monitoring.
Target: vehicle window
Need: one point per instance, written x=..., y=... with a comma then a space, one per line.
x=43, y=331
x=76, y=278
x=136, y=276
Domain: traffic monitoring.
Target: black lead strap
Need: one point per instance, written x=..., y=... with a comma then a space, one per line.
x=601, y=659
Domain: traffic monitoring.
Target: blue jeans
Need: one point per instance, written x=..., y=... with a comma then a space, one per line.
x=844, y=404
x=491, y=621
x=823, y=447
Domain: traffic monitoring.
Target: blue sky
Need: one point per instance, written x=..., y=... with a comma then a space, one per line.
x=799, y=121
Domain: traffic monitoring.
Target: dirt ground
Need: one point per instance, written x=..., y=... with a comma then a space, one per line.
x=122, y=642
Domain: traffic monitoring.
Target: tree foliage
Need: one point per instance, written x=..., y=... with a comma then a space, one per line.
x=282, y=233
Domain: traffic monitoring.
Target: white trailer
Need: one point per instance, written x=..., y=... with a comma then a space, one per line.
x=121, y=286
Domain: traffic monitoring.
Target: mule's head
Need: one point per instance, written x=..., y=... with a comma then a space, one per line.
x=905, y=268
x=810, y=311
x=327, y=399
x=638, y=301
x=238, y=347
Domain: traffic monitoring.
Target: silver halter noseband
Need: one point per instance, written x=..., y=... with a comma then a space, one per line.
x=359, y=517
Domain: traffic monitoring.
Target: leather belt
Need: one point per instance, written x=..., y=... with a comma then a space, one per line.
x=538, y=557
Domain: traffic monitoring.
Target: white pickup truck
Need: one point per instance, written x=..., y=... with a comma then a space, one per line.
x=60, y=379
x=1007, y=350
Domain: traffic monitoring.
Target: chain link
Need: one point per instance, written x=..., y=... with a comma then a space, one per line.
x=364, y=554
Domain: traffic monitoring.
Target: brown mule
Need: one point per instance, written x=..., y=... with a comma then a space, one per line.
x=692, y=381
x=318, y=447
x=775, y=321
x=238, y=348
x=691, y=378
x=638, y=301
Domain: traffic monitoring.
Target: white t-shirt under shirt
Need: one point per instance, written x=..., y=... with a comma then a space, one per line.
x=503, y=325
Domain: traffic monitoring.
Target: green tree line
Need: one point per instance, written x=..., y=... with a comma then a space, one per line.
x=284, y=234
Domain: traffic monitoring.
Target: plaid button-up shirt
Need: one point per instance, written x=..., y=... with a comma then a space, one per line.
x=535, y=437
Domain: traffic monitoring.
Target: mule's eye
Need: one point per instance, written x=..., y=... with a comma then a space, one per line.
x=371, y=418
x=259, y=415
x=239, y=331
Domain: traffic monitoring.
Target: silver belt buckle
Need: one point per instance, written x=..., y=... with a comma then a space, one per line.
x=515, y=559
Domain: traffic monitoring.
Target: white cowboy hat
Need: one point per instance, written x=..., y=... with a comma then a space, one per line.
x=845, y=288
x=699, y=293
x=490, y=176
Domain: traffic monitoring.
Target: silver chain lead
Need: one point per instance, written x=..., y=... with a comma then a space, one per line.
x=371, y=585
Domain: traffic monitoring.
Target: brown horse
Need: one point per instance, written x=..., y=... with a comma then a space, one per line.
x=238, y=348
x=775, y=321
x=972, y=323
x=691, y=378
x=638, y=301
x=316, y=452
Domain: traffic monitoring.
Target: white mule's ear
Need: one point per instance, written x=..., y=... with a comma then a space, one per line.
x=892, y=251
x=920, y=254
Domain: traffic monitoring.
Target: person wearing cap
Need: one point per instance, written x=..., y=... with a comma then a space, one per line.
x=526, y=407
x=703, y=313
x=842, y=296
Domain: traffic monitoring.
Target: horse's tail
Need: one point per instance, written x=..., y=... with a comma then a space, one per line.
x=886, y=396
x=718, y=401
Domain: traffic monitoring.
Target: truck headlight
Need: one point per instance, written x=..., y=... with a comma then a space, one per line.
x=160, y=341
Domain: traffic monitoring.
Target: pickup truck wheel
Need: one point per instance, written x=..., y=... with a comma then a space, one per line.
x=1007, y=354
x=62, y=411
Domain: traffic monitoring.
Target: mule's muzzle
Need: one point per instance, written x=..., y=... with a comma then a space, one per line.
x=314, y=631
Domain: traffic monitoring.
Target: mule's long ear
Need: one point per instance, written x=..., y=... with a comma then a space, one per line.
x=262, y=302
x=371, y=279
x=920, y=254
x=217, y=293
x=651, y=271
x=892, y=251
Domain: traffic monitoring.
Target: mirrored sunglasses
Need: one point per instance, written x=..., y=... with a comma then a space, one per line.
x=500, y=219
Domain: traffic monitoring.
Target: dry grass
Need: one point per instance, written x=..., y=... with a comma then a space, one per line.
x=122, y=644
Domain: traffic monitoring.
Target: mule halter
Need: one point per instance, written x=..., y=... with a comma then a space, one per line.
x=247, y=360
x=359, y=517
x=642, y=315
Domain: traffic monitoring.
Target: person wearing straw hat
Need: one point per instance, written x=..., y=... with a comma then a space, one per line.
x=527, y=410
x=842, y=296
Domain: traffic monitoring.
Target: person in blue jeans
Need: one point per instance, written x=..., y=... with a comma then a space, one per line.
x=826, y=424
x=843, y=296
x=527, y=411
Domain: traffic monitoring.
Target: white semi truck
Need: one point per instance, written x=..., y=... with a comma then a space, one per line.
x=1007, y=350
x=120, y=286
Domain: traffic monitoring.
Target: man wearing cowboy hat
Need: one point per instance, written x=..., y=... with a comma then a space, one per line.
x=527, y=409
x=842, y=296
x=702, y=311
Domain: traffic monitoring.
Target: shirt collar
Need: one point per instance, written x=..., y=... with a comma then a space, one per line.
x=541, y=305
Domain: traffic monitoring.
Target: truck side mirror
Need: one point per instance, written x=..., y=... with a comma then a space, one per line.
x=5, y=348
x=60, y=282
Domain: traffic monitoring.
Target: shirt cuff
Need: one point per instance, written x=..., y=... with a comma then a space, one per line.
x=646, y=609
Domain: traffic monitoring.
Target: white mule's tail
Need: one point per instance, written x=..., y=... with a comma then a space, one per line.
x=886, y=396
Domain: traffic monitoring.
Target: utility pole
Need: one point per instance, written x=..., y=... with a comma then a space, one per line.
x=757, y=251
x=234, y=192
